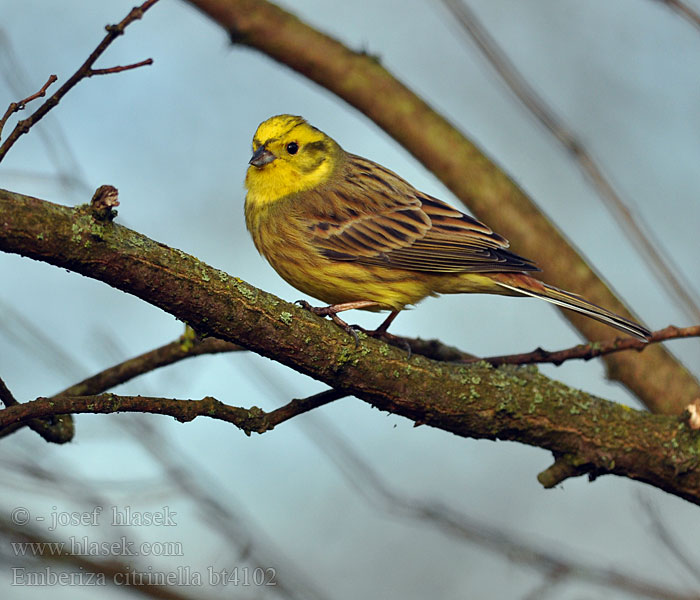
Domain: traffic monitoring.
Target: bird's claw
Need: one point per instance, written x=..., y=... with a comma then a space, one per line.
x=331, y=311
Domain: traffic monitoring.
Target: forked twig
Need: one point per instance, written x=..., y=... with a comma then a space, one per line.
x=17, y=106
x=85, y=71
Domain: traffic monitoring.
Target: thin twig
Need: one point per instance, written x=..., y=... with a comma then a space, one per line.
x=119, y=69
x=69, y=171
x=249, y=420
x=185, y=346
x=6, y=396
x=590, y=350
x=17, y=106
x=85, y=71
x=641, y=235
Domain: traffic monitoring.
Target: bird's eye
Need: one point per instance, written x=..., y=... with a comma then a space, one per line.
x=292, y=147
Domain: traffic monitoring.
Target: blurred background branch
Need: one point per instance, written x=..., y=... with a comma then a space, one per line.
x=670, y=276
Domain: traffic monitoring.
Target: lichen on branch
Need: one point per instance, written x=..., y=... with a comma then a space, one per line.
x=475, y=400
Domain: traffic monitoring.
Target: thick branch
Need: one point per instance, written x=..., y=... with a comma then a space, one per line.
x=660, y=381
x=469, y=400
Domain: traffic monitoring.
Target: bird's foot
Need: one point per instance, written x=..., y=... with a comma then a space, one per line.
x=332, y=311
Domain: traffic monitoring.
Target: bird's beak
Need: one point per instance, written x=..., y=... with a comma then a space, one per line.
x=261, y=157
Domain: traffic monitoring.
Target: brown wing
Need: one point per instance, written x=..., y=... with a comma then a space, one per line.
x=380, y=219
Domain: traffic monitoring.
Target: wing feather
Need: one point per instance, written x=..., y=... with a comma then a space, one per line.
x=377, y=218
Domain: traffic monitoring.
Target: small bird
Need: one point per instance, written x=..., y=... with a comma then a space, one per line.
x=355, y=235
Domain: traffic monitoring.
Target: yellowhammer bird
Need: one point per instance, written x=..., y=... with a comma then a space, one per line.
x=353, y=234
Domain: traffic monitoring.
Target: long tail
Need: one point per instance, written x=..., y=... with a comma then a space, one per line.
x=529, y=286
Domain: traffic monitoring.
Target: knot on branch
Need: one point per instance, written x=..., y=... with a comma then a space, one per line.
x=105, y=198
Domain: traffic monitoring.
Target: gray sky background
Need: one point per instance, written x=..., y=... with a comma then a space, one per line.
x=174, y=138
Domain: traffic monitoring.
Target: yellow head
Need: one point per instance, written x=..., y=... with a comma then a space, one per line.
x=289, y=156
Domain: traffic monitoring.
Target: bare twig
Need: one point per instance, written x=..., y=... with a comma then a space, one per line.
x=85, y=71
x=249, y=420
x=590, y=350
x=119, y=69
x=436, y=350
x=6, y=396
x=641, y=235
x=17, y=106
x=55, y=428
x=185, y=346
x=69, y=171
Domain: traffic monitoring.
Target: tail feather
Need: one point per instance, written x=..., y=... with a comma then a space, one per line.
x=529, y=286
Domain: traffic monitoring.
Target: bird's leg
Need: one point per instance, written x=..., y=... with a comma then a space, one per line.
x=381, y=333
x=333, y=309
x=381, y=330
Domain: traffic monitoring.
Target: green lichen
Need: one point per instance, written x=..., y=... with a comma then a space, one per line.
x=77, y=232
x=244, y=290
x=345, y=356
x=537, y=398
x=97, y=230
x=286, y=318
x=504, y=406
